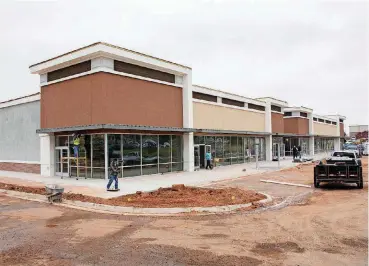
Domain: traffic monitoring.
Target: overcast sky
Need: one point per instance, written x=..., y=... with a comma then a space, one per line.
x=308, y=53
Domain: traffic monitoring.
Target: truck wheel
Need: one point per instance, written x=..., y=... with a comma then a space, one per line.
x=316, y=183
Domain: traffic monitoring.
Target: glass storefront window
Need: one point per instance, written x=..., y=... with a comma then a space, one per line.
x=219, y=147
x=131, y=150
x=240, y=150
x=234, y=150
x=98, y=156
x=210, y=140
x=150, y=149
x=114, y=147
x=164, y=149
x=199, y=140
x=61, y=141
x=227, y=150
x=131, y=171
x=176, y=149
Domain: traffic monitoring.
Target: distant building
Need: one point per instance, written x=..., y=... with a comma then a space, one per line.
x=355, y=129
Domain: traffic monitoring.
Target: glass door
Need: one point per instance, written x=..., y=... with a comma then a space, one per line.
x=196, y=150
x=62, y=161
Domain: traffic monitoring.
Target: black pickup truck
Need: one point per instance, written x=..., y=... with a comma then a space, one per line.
x=342, y=167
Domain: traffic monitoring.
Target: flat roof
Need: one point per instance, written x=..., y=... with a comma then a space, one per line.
x=109, y=45
x=22, y=97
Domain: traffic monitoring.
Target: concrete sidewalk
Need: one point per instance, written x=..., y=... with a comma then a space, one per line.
x=129, y=185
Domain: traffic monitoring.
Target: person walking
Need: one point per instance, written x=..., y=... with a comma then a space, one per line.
x=113, y=174
x=299, y=151
x=208, y=160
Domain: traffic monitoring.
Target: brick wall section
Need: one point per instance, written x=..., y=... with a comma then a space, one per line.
x=21, y=167
x=342, y=130
x=277, y=123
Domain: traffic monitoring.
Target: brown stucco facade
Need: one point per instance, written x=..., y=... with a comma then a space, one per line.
x=104, y=98
x=342, y=130
x=277, y=123
x=296, y=125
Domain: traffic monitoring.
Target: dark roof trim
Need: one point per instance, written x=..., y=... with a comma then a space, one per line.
x=112, y=126
x=146, y=128
x=291, y=135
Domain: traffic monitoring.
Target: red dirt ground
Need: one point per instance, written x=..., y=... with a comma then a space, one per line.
x=177, y=196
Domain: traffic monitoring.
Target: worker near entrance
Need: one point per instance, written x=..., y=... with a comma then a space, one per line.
x=113, y=174
x=208, y=160
x=76, y=142
x=299, y=151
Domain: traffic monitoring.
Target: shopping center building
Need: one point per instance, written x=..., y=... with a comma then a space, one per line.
x=146, y=112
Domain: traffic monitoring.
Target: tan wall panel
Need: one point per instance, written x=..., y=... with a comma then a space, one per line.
x=296, y=125
x=325, y=129
x=104, y=98
x=277, y=123
x=208, y=116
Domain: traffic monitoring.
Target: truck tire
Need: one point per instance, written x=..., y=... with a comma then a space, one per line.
x=316, y=183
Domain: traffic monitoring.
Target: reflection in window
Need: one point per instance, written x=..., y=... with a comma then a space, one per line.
x=176, y=148
x=114, y=147
x=240, y=150
x=234, y=150
x=227, y=150
x=150, y=149
x=219, y=147
x=165, y=154
x=131, y=150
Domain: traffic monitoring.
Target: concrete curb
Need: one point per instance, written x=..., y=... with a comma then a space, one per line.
x=109, y=209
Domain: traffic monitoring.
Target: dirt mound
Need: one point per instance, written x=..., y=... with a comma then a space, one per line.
x=176, y=196
x=34, y=190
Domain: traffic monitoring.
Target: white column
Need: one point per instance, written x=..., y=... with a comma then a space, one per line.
x=268, y=128
x=188, y=152
x=188, y=156
x=47, y=154
x=311, y=133
x=187, y=101
x=106, y=153
x=311, y=124
x=311, y=145
x=269, y=147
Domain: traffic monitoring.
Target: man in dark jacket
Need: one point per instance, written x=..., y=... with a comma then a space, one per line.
x=294, y=152
x=113, y=174
x=299, y=151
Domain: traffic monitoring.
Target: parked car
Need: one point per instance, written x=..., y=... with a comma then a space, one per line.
x=348, y=154
x=353, y=147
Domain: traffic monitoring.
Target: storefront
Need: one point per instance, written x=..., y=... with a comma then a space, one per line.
x=142, y=154
x=323, y=145
x=229, y=150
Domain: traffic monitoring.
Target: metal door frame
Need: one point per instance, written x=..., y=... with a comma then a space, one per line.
x=60, y=150
x=197, y=167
